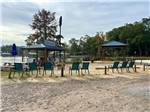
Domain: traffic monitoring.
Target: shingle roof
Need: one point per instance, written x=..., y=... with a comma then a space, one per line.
x=113, y=44
x=51, y=45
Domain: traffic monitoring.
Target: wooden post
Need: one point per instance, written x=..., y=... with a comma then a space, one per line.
x=37, y=55
x=59, y=56
x=45, y=55
x=62, y=70
x=105, y=70
x=144, y=67
x=135, y=68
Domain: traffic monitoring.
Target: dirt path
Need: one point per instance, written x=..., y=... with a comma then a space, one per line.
x=117, y=94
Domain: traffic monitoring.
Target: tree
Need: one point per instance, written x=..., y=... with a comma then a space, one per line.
x=74, y=46
x=88, y=46
x=100, y=37
x=136, y=35
x=44, y=26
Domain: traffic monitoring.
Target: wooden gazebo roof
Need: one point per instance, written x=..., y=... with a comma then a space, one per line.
x=49, y=45
x=113, y=43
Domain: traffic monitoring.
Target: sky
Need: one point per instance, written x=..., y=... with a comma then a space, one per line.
x=80, y=17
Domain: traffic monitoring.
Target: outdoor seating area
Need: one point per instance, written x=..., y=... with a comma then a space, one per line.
x=122, y=65
x=47, y=69
x=75, y=56
x=30, y=69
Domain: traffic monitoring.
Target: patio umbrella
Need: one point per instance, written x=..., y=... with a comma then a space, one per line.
x=14, y=51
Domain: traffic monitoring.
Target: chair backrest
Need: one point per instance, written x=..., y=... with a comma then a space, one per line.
x=18, y=66
x=85, y=66
x=124, y=64
x=32, y=66
x=131, y=64
x=75, y=66
x=115, y=65
x=48, y=66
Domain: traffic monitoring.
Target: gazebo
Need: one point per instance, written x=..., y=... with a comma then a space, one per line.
x=45, y=47
x=114, y=45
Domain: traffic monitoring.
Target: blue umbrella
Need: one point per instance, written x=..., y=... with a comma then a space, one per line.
x=14, y=51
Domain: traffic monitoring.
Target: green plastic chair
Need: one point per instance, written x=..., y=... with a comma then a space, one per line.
x=33, y=67
x=48, y=66
x=123, y=65
x=85, y=66
x=114, y=66
x=18, y=67
x=130, y=65
x=75, y=66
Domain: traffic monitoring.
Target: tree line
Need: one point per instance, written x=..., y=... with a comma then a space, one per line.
x=136, y=35
x=8, y=49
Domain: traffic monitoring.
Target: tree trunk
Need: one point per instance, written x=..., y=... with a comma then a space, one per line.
x=140, y=50
x=45, y=35
x=146, y=50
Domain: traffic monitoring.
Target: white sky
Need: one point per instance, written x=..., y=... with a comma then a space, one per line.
x=79, y=18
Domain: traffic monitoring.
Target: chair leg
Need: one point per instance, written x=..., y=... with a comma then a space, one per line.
x=117, y=70
x=19, y=74
x=22, y=74
x=51, y=72
x=88, y=71
x=79, y=72
x=70, y=72
x=37, y=74
x=43, y=72
x=133, y=69
x=14, y=74
x=121, y=69
x=9, y=76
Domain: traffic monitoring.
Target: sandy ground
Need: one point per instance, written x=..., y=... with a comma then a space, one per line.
x=115, y=92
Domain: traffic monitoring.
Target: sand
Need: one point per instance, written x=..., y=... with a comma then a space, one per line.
x=116, y=92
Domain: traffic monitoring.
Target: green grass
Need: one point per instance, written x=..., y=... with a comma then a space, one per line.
x=4, y=74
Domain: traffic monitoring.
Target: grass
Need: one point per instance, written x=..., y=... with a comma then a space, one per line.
x=4, y=74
